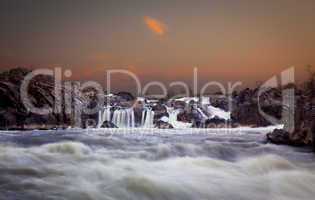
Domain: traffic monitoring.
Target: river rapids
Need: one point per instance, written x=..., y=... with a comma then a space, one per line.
x=152, y=164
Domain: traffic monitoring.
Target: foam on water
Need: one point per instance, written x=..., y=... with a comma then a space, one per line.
x=147, y=118
x=73, y=165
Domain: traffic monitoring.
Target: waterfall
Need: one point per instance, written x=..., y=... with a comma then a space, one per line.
x=173, y=118
x=124, y=118
x=147, y=118
x=173, y=115
x=104, y=115
x=219, y=113
x=205, y=100
x=203, y=115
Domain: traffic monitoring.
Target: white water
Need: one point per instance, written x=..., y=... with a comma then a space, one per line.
x=203, y=115
x=173, y=113
x=217, y=112
x=124, y=118
x=72, y=165
x=147, y=118
x=205, y=101
x=104, y=115
x=213, y=111
x=188, y=99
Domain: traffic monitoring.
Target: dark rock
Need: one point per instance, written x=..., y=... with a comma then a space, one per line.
x=41, y=93
x=279, y=136
x=215, y=123
x=197, y=119
x=15, y=75
x=126, y=96
x=159, y=111
x=179, y=105
x=197, y=124
x=138, y=115
x=185, y=117
x=123, y=99
x=163, y=125
x=313, y=135
x=248, y=115
x=108, y=124
x=301, y=137
x=221, y=103
x=245, y=109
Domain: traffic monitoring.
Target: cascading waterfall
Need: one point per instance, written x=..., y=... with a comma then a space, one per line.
x=203, y=115
x=208, y=109
x=205, y=101
x=217, y=112
x=173, y=118
x=104, y=115
x=124, y=118
x=203, y=109
x=147, y=118
x=173, y=115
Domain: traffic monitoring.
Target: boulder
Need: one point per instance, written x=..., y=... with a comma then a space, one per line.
x=159, y=111
x=41, y=93
x=108, y=124
x=215, y=123
x=125, y=96
x=221, y=103
x=279, y=136
x=245, y=109
x=300, y=137
x=163, y=125
x=247, y=114
x=179, y=105
x=185, y=117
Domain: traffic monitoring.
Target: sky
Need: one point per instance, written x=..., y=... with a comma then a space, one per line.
x=239, y=40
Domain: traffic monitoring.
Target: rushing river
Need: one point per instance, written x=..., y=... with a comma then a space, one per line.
x=152, y=164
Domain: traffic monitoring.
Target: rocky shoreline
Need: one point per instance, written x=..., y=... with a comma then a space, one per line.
x=241, y=109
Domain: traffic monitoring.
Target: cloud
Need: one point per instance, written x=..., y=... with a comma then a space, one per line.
x=155, y=25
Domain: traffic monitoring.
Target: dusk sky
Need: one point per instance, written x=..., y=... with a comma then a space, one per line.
x=239, y=40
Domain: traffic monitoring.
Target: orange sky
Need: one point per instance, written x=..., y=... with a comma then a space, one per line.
x=239, y=40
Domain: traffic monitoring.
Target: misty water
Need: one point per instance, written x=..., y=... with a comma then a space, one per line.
x=153, y=164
